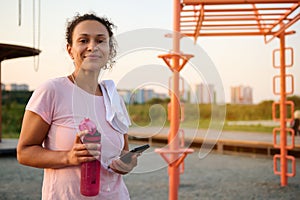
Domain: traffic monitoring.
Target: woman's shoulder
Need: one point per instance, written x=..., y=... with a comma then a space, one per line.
x=53, y=83
x=58, y=81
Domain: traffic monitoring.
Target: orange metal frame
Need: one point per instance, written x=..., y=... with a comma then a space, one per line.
x=199, y=18
x=283, y=118
x=238, y=17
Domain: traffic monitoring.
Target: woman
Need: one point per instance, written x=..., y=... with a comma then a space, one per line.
x=50, y=137
x=295, y=126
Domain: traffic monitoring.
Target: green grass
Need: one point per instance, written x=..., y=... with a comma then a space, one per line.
x=10, y=135
x=250, y=128
x=157, y=114
x=12, y=115
x=204, y=124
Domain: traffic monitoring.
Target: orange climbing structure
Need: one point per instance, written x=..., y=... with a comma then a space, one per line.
x=204, y=18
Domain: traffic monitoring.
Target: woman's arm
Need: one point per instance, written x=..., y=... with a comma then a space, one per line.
x=126, y=143
x=31, y=152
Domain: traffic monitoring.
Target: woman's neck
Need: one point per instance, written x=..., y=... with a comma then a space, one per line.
x=87, y=82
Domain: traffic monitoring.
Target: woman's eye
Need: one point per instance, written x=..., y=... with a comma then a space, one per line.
x=83, y=41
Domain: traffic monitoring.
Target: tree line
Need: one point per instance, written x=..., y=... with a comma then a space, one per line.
x=155, y=110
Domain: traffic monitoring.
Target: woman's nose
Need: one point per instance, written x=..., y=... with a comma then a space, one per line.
x=92, y=46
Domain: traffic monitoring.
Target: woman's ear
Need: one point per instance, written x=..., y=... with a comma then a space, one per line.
x=69, y=49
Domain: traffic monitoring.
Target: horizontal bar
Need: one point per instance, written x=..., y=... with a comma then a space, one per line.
x=224, y=2
x=227, y=34
x=244, y=15
x=236, y=19
x=263, y=16
x=228, y=28
x=192, y=28
x=228, y=25
x=237, y=9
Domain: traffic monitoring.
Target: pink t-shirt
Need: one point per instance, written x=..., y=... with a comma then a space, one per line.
x=63, y=105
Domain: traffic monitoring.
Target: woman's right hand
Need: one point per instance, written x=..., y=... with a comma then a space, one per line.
x=30, y=150
x=83, y=152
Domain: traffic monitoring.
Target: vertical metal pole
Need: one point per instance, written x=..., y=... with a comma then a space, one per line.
x=283, y=151
x=0, y=104
x=175, y=102
x=20, y=13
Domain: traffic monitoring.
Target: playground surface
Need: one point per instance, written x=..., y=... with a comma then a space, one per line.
x=214, y=177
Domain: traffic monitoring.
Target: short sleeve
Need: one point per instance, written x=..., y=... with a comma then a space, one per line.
x=42, y=102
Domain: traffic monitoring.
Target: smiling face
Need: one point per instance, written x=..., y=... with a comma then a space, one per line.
x=90, y=46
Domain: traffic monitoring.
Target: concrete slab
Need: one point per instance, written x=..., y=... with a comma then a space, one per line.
x=8, y=146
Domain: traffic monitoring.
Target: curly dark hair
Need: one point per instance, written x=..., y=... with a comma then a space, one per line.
x=103, y=20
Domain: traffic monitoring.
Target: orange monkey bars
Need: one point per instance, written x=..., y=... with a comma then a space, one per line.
x=267, y=18
x=237, y=17
x=198, y=18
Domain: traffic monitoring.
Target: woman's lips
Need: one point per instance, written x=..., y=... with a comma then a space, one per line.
x=92, y=56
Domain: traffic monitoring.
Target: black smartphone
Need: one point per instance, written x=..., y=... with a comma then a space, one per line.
x=127, y=157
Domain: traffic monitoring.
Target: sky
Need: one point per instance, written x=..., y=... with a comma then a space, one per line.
x=141, y=26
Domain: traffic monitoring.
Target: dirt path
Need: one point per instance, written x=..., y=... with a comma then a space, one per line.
x=214, y=177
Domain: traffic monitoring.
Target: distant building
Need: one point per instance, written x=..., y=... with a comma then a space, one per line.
x=149, y=94
x=16, y=87
x=204, y=94
x=125, y=94
x=241, y=95
x=139, y=96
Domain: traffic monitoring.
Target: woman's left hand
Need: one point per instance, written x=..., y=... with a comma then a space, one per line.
x=121, y=167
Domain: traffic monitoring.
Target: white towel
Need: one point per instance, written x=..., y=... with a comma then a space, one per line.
x=116, y=113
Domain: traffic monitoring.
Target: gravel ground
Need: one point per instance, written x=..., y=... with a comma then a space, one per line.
x=213, y=177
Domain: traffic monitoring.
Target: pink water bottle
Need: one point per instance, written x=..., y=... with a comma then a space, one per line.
x=90, y=171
